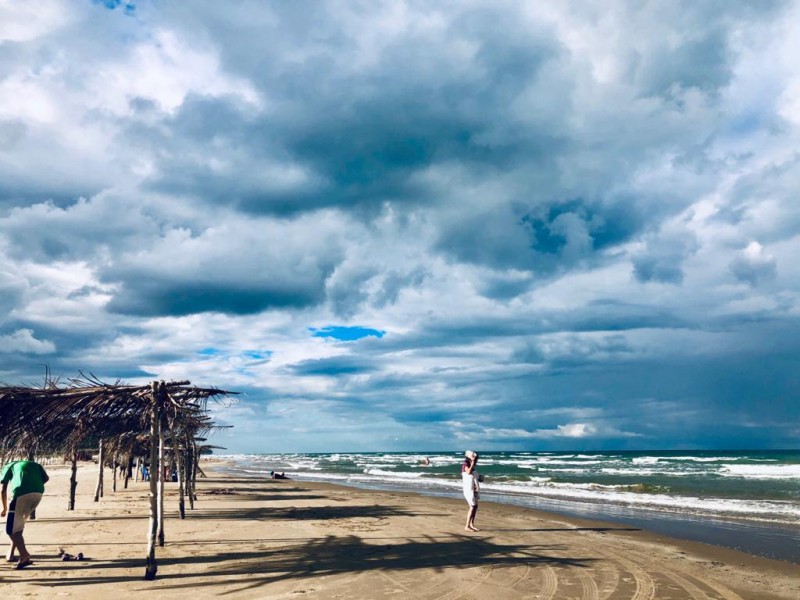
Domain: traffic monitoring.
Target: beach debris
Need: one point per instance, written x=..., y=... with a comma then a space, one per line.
x=67, y=557
x=222, y=492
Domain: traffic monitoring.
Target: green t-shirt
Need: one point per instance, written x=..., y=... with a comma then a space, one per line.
x=25, y=476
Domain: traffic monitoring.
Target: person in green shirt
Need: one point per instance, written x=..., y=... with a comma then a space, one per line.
x=26, y=479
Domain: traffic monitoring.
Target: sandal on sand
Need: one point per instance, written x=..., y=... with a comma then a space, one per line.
x=22, y=565
x=66, y=556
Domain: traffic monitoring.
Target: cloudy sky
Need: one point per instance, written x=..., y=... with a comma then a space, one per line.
x=412, y=225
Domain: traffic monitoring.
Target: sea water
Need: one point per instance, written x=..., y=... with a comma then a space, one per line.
x=748, y=500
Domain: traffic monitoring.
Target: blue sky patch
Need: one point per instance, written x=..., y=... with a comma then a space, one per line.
x=257, y=354
x=128, y=7
x=345, y=334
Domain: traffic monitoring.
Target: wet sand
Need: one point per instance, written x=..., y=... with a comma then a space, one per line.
x=290, y=539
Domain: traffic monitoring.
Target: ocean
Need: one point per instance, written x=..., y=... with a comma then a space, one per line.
x=748, y=500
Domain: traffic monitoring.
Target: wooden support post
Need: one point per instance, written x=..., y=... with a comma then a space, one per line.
x=176, y=452
x=195, y=462
x=114, y=468
x=151, y=567
x=128, y=462
x=161, y=468
x=73, y=481
x=98, y=492
x=186, y=476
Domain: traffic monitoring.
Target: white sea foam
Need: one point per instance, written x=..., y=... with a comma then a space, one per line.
x=536, y=464
x=393, y=474
x=594, y=493
x=761, y=471
x=590, y=492
x=643, y=472
x=404, y=471
x=701, y=459
x=562, y=470
x=632, y=472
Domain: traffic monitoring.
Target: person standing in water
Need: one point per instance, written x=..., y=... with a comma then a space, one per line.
x=469, y=477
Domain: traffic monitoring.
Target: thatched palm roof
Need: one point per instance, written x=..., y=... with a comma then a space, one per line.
x=57, y=417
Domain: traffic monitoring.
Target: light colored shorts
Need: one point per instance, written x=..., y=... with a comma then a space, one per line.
x=20, y=510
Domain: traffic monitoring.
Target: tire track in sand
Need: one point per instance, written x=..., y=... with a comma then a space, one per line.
x=549, y=583
x=411, y=592
x=602, y=580
x=590, y=591
x=722, y=590
x=645, y=586
x=696, y=592
x=484, y=574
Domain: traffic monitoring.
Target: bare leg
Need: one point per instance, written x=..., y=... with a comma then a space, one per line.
x=471, y=523
x=10, y=554
x=471, y=518
x=19, y=542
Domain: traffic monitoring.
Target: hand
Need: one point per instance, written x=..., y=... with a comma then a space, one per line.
x=3, y=514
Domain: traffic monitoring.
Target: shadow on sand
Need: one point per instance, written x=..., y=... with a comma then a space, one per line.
x=262, y=562
x=330, y=555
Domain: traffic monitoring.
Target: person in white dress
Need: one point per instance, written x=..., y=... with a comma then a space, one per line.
x=469, y=477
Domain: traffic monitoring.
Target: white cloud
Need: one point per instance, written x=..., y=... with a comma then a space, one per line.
x=754, y=265
x=23, y=22
x=165, y=69
x=569, y=430
x=550, y=212
x=24, y=341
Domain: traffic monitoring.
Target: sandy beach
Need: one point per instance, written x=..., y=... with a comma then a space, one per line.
x=254, y=538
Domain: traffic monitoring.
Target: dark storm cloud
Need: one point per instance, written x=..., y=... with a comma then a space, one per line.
x=698, y=53
x=256, y=267
x=596, y=316
x=77, y=230
x=153, y=297
x=503, y=189
x=774, y=186
x=696, y=403
x=347, y=294
x=753, y=266
x=59, y=185
x=664, y=269
x=548, y=238
x=359, y=135
x=394, y=282
x=333, y=367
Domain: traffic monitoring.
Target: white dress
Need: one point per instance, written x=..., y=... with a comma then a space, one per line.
x=470, y=484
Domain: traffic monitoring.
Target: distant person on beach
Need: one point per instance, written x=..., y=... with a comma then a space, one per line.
x=469, y=478
x=27, y=479
x=426, y=462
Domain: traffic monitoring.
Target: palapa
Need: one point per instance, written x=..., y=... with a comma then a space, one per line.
x=123, y=420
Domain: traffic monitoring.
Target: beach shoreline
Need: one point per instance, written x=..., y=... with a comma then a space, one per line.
x=716, y=497
x=262, y=538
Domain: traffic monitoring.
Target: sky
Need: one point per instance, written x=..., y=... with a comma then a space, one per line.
x=412, y=225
